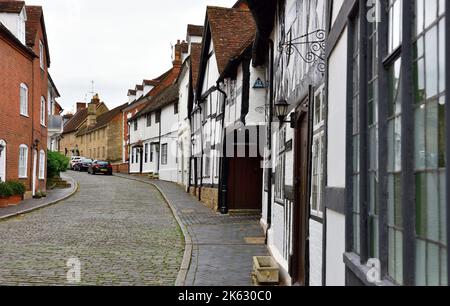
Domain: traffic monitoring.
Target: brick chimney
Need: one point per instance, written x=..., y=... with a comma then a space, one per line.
x=178, y=54
x=92, y=110
x=80, y=106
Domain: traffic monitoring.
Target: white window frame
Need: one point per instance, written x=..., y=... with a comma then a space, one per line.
x=23, y=100
x=41, y=55
x=319, y=92
x=43, y=113
x=164, y=154
x=42, y=164
x=320, y=137
x=23, y=161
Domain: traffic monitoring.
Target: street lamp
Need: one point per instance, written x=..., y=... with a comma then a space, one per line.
x=282, y=111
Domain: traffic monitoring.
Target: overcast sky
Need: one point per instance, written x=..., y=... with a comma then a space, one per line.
x=116, y=44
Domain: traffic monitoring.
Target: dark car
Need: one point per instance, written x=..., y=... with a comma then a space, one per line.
x=103, y=167
x=83, y=165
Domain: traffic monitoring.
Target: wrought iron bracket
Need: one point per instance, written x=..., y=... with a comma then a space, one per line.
x=314, y=51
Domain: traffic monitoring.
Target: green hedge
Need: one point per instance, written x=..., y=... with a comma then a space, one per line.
x=5, y=190
x=56, y=163
x=12, y=188
x=17, y=187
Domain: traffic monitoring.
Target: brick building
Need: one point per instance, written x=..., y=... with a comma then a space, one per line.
x=70, y=144
x=101, y=136
x=24, y=63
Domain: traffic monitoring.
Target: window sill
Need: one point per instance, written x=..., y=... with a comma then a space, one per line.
x=26, y=116
x=352, y=262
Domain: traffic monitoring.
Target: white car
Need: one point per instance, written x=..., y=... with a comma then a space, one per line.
x=74, y=160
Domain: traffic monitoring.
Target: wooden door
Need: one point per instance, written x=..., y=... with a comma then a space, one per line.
x=245, y=183
x=301, y=216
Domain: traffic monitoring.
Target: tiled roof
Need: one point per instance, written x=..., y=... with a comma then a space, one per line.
x=231, y=29
x=75, y=122
x=167, y=96
x=103, y=119
x=194, y=30
x=196, y=51
x=150, y=82
x=8, y=6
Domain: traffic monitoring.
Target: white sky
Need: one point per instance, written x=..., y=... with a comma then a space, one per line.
x=116, y=44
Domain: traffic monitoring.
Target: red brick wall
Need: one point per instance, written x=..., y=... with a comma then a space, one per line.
x=121, y=168
x=15, y=68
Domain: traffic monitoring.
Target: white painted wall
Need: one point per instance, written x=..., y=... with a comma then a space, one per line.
x=336, y=156
x=15, y=23
x=315, y=252
x=337, y=114
x=147, y=88
x=184, y=129
x=335, y=249
x=169, y=136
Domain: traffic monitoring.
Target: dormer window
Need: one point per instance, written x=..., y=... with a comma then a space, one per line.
x=41, y=54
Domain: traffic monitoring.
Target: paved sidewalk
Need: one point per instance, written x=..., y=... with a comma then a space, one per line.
x=53, y=197
x=219, y=249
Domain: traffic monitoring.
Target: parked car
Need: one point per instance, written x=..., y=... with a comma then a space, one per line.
x=74, y=160
x=83, y=165
x=100, y=167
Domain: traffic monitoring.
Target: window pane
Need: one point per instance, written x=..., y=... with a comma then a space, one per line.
x=419, y=16
x=419, y=80
x=433, y=277
x=421, y=259
x=431, y=62
x=419, y=139
x=441, y=7
x=430, y=12
x=432, y=135
x=442, y=55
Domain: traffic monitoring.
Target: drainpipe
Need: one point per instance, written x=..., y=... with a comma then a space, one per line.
x=160, y=147
x=32, y=131
x=223, y=167
x=269, y=138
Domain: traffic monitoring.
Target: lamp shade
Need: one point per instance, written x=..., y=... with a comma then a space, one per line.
x=281, y=109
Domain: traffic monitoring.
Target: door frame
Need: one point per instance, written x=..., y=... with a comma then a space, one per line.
x=34, y=174
x=3, y=157
x=301, y=212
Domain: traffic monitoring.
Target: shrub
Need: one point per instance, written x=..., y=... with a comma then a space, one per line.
x=56, y=163
x=5, y=190
x=17, y=188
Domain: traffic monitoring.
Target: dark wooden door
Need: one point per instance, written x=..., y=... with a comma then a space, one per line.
x=299, y=264
x=245, y=183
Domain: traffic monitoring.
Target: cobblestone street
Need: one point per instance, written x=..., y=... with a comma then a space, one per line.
x=122, y=231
